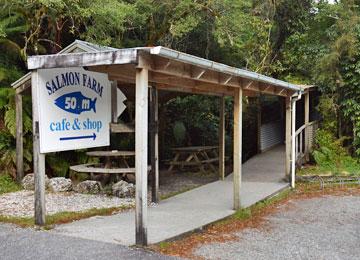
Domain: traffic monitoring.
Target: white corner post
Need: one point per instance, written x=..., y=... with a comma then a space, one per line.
x=222, y=139
x=19, y=138
x=141, y=154
x=38, y=158
x=237, y=146
x=288, y=139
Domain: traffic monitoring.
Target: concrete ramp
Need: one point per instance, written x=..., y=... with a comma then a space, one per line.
x=182, y=213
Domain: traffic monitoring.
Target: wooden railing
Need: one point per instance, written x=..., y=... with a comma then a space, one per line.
x=304, y=140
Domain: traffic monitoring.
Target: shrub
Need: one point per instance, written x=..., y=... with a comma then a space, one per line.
x=7, y=184
x=330, y=155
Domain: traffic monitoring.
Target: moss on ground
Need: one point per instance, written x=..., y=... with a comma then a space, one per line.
x=62, y=217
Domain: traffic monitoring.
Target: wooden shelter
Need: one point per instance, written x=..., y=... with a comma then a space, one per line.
x=162, y=69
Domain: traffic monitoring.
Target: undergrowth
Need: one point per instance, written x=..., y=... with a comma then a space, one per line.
x=331, y=157
x=7, y=184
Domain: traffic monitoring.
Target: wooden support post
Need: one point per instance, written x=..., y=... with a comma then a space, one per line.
x=307, y=120
x=19, y=138
x=287, y=136
x=154, y=144
x=141, y=154
x=293, y=129
x=258, y=102
x=38, y=158
x=237, y=146
x=222, y=139
x=114, y=102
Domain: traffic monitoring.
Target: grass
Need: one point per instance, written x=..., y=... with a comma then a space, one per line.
x=62, y=217
x=7, y=184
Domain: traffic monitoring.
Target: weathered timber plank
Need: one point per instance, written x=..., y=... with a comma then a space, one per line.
x=38, y=158
x=124, y=56
x=141, y=155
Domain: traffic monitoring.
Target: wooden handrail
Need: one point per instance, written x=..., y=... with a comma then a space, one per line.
x=300, y=135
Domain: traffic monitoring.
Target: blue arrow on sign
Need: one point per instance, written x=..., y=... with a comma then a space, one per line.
x=93, y=136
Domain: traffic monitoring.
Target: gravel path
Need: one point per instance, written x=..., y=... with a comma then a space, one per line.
x=21, y=203
x=319, y=228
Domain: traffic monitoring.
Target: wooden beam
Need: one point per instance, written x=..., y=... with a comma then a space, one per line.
x=121, y=128
x=197, y=72
x=114, y=102
x=307, y=120
x=154, y=143
x=225, y=79
x=23, y=87
x=287, y=137
x=19, y=138
x=237, y=147
x=141, y=153
x=187, y=71
x=84, y=59
x=222, y=139
x=171, y=83
x=38, y=158
x=189, y=85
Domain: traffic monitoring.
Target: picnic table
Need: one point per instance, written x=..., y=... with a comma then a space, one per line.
x=123, y=156
x=122, y=168
x=195, y=156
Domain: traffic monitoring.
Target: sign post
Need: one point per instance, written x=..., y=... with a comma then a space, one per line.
x=74, y=109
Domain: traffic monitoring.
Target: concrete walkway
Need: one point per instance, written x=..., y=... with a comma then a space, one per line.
x=190, y=210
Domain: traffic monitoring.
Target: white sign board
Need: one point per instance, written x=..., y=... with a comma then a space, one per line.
x=74, y=109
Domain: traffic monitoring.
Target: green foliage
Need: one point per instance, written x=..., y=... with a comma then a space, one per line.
x=7, y=184
x=329, y=113
x=331, y=156
x=302, y=41
x=179, y=131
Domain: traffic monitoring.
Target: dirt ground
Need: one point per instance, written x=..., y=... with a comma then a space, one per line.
x=175, y=182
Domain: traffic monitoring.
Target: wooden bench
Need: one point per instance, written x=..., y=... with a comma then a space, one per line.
x=93, y=168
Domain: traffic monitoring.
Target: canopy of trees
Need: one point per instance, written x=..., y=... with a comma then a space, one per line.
x=301, y=41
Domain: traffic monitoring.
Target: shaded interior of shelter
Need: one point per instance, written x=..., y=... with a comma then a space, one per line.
x=263, y=141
